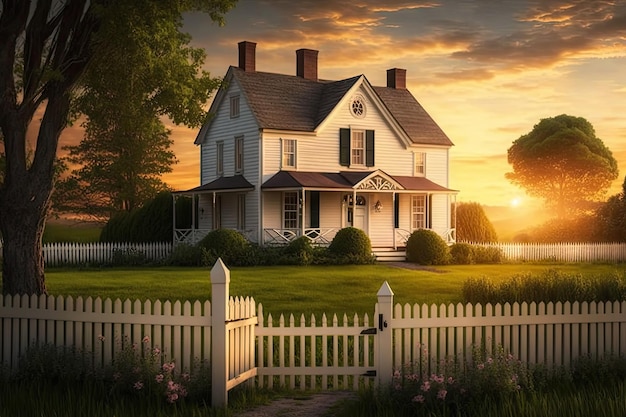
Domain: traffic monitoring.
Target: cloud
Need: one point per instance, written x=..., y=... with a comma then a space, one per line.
x=554, y=30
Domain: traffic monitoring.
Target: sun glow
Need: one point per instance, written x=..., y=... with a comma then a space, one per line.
x=516, y=202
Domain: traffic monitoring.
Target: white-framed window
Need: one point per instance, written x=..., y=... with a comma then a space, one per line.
x=234, y=107
x=357, y=148
x=290, y=210
x=241, y=211
x=418, y=212
x=219, y=158
x=419, y=165
x=289, y=153
x=239, y=154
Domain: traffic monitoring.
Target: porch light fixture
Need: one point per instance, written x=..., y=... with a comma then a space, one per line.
x=378, y=206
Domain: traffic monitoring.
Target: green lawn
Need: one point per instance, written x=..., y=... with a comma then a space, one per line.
x=297, y=290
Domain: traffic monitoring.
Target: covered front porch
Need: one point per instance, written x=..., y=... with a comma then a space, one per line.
x=388, y=209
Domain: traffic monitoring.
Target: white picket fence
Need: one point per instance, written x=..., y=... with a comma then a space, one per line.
x=67, y=254
x=100, y=253
x=561, y=252
x=309, y=354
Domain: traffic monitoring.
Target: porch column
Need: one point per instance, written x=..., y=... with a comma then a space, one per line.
x=213, y=220
x=393, y=219
x=303, y=211
x=174, y=198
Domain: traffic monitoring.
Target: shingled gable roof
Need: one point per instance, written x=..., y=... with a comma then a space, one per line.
x=287, y=102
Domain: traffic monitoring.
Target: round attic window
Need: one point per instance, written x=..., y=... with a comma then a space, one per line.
x=357, y=106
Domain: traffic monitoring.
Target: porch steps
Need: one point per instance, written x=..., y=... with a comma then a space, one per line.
x=389, y=254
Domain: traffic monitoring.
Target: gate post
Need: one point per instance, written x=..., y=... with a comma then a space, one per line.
x=220, y=282
x=384, y=337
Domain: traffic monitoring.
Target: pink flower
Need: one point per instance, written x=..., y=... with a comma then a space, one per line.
x=146, y=339
x=186, y=377
x=425, y=386
x=418, y=399
x=172, y=397
x=138, y=385
x=481, y=366
x=490, y=361
x=101, y=338
x=169, y=367
x=442, y=394
x=156, y=351
x=450, y=380
x=159, y=378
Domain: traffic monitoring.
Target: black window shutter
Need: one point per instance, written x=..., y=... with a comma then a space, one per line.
x=314, y=209
x=430, y=211
x=396, y=212
x=369, y=148
x=344, y=147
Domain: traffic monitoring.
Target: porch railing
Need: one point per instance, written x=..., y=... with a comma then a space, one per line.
x=193, y=236
x=317, y=236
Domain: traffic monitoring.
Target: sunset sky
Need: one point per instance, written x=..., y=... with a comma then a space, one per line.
x=487, y=71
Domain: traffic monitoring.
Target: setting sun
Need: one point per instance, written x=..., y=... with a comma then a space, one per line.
x=516, y=202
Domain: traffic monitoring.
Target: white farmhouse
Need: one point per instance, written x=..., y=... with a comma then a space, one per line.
x=284, y=156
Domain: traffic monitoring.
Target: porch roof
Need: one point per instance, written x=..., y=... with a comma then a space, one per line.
x=345, y=180
x=222, y=184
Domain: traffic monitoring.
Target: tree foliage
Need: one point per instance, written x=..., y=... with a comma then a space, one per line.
x=126, y=148
x=45, y=49
x=472, y=224
x=563, y=162
x=611, y=217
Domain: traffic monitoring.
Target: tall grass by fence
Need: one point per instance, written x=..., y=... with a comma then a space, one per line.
x=326, y=354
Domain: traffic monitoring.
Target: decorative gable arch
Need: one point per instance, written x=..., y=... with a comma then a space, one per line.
x=378, y=181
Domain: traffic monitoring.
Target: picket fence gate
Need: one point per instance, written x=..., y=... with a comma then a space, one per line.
x=242, y=345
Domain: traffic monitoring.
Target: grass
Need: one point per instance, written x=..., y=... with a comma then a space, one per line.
x=564, y=399
x=299, y=290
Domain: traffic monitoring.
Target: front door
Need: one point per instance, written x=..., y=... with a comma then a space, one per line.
x=360, y=218
x=356, y=214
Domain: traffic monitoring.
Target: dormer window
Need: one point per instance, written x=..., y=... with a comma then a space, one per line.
x=234, y=107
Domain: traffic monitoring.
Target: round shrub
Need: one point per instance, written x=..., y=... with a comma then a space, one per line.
x=426, y=247
x=299, y=251
x=185, y=254
x=351, y=244
x=228, y=244
x=462, y=254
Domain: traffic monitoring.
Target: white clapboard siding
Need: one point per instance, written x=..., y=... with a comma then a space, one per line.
x=561, y=252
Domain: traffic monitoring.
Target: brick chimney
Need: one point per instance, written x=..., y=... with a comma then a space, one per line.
x=247, y=56
x=396, y=78
x=306, y=64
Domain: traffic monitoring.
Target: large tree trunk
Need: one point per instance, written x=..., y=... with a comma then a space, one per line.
x=22, y=227
x=25, y=198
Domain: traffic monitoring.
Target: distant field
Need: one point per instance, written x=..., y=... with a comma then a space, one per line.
x=71, y=231
x=298, y=290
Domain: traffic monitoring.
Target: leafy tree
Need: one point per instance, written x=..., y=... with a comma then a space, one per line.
x=611, y=217
x=45, y=49
x=126, y=147
x=562, y=161
x=472, y=224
